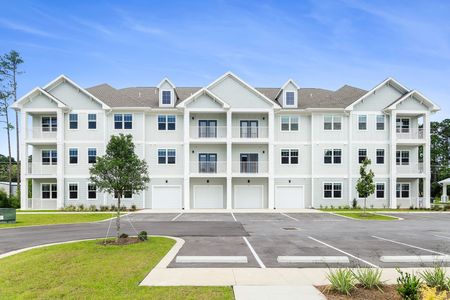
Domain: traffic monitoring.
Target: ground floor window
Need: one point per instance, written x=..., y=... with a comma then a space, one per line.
x=49, y=191
x=92, y=191
x=332, y=190
x=380, y=190
x=126, y=195
x=402, y=190
x=73, y=191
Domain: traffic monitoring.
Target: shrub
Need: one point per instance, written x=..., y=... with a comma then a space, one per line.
x=123, y=208
x=133, y=207
x=80, y=207
x=104, y=208
x=346, y=206
x=411, y=207
x=430, y=293
x=14, y=202
x=143, y=235
x=435, y=278
x=70, y=208
x=92, y=208
x=339, y=207
x=369, y=278
x=113, y=208
x=4, y=199
x=398, y=206
x=408, y=286
x=341, y=280
x=371, y=206
x=354, y=203
x=123, y=236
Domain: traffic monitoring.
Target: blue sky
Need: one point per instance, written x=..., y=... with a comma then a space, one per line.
x=317, y=43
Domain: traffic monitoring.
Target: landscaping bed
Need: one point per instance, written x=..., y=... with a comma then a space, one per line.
x=366, y=216
x=56, y=218
x=386, y=292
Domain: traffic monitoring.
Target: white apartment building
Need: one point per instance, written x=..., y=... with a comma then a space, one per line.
x=229, y=145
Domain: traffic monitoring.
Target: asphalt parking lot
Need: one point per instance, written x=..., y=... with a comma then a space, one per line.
x=272, y=240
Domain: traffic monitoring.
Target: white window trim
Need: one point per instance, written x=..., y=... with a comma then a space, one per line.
x=332, y=157
x=51, y=198
x=367, y=154
x=332, y=122
x=285, y=99
x=289, y=123
x=49, y=116
x=123, y=121
x=409, y=157
x=409, y=128
x=50, y=163
x=167, y=156
x=87, y=192
x=68, y=191
x=87, y=154
x=409, y=190
x=376, y=123
x=289, y=150
x=384, y=190
x=376, y=156
x=332, y=190
x=367, y=122
x=68, y=121
x=172, y=94
x=68, y=156
x=166, y=123
x=96, y=121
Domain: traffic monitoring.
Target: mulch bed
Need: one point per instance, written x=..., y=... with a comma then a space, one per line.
x=389, y=293
x=121, y=241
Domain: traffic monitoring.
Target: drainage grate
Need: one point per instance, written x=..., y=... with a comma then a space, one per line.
x=290, y=228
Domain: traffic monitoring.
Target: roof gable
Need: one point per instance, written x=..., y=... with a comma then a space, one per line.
x=203, y=92
x=35, y=93
x=413, y=94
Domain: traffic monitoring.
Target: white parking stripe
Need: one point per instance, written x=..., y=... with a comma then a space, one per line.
x=346, y=253
x=408, y=245
x=177, y=217
x=261, y=265
x=313, y=259
x=415, y=259
x=233, y=217
x=441, y=236
x=289, y=217
x=212, y=259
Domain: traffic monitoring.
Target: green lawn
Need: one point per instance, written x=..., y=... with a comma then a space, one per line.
x=86, y=270
x=368, y=216
x=372, y=210
x=56, y=218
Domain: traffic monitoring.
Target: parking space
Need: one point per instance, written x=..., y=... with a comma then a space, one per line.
x=153, y=217
x=435, y=216
x=212, y=217
x=260, y=217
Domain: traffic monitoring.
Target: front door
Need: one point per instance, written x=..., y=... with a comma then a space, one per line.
x=249, y=163
x=207, y=163
x=249, y=129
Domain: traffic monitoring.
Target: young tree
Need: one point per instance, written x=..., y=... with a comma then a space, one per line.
x=9, y=69
x=365, y=185
x=5, y=97
x=120, y=170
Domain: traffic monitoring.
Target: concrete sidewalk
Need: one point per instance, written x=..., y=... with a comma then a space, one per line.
x=250, y=292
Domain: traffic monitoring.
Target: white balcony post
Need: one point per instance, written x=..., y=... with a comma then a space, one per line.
x=61, y=158
x=426, y=160
x=229, y=161
x=271, y=155
x=23, y=161
x=186, y=185
x=392, y=161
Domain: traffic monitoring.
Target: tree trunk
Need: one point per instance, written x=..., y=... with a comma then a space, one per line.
x=365, y=200
x=17, y=135
x=9, y=151
x=118, y=216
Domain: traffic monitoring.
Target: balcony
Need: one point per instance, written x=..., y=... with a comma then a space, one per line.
x=411, y=169
x=40, y=134
x=208, y=167
x=39, y=203
x=208, y=132
x=251, y=133
x=40, y=169
x=250, y=167
x=410, y=134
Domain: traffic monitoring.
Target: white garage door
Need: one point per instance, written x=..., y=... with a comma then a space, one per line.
x=208, y=196
x=248, y=196
x=289, y=196
x=166, y=196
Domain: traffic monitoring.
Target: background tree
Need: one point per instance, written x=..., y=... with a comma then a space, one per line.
x=440, y=154
x=9, y=69
x=5, y=101
x=120, y=170
x=365, y=185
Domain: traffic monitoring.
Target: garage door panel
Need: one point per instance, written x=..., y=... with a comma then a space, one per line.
x=289, y=197
x=166, y=197
x=208, y=196
x=248, y=196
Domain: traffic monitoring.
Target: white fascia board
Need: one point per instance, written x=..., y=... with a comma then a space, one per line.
x=63, y=78
x=397, y=85
x=19, y=103
x=255, y=91
x=200, y=92
x=165, y=79
x=285, y=85
x=420, y=97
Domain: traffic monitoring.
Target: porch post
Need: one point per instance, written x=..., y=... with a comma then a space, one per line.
x=392, y=161
x=426, y=160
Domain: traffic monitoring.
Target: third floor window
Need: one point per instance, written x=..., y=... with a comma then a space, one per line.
x=362, y=122
x=332, y=156
x=166, y=97
x=49, y=157
x=402, y=125
x=332, y=122
x=92, y=121
x=289, y=123
x=73, y=121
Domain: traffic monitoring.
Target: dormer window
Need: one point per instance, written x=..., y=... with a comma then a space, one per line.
x=290, y=98
x=166, y=97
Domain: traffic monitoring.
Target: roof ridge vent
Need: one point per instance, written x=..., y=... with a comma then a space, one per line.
x=139, y=94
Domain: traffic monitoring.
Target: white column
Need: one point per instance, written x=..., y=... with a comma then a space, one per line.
x=350, y=159
x=186, y=185
x=444, y=192
x=392, y=163
x=271, y=156
x=23, y=161
x=229, y=162
x=144, y=192
x=312, y=160
x=61, y=158
x=426, y=160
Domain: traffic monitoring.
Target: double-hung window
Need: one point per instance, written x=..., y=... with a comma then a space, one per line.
x=92, y=191
x=92, y=121
x=73, y=156
x=49, y=157
x=289, y=123
x=402, y=125
x=380, y=190
x=73, y=191
x=332, y=122
x=402, y=190
x=73, y=121
x=92, y=155
x=49, y=191
x=123, y=121
x=289, y=156
x=167, y=122
x=380, y=122
x=166, y=156
x=166, y=97
x=332, y=156
x=380, y=156
x=362, y=155
x=402, y=157
x=49, y=124
x=126, y=194
x=290, y=98
x=362, y=122
x=332, y=190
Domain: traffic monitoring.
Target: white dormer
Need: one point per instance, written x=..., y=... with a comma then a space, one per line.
x=289, y=94
x=167, y=97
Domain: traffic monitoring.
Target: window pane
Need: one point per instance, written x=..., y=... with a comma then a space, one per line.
x=362, y=154
x=290, y=98
x=118, y=121
x=380, y=122
x=337, y=156
x=73, y=121
x=337, y=122
x=285, y=123
x=171, y=121
x=166, y=97
x=294, y=123
x=327, y=122
x=161, y=156
x=128, y=121
x=362, y=122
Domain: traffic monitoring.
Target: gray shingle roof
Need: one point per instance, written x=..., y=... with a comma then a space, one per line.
x=148, y=96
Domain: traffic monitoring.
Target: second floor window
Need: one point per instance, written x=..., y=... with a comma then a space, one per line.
x=73, y=156
x=380, y=156
x=402, y=125
x=92, y=155
x=167, y=122
x=123, y=121
x=380, y=122
x=332, y=156
x=73, y=121
x=49, y=157
x=92, y=121
x=289, y=156
x=332, y=122
x=362, y=122
x=166, y=156
x=362, y=155
x=49, y=124
x=289, y=123
x=166, y=97
x=402, y=158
